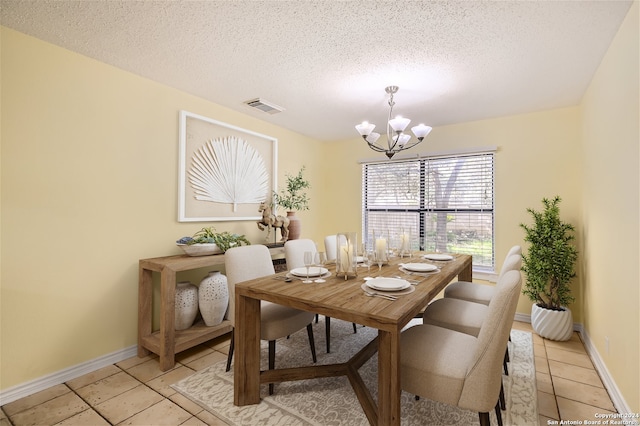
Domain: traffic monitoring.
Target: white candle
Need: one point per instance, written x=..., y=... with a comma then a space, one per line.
x=381, y=248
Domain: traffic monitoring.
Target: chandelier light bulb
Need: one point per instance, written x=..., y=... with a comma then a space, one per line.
x=399, y=123
x=403, y=138
x=373, y=137
x=365, y=128
x=421, y=130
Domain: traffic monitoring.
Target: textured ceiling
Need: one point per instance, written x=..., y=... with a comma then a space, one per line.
x=328, y=62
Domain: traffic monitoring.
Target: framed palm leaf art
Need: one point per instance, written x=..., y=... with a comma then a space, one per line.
x=225, y=172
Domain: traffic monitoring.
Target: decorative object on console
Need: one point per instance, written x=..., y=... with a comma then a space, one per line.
x=294, y=198
x=269, y=220
x=295, y=226
x=396, y=140
x=213, y=298
x=346, y=255
x=208, y=241
x=225, y=172
x=186, y=306
x=549, y=267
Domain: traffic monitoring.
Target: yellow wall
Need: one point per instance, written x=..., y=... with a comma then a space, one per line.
x=610, y=210
x=89, y=186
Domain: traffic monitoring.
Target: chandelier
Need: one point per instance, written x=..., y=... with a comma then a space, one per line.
x=397, y=140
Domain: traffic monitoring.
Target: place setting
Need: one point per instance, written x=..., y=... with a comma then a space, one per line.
x=438, y=257
x=423, y=269
x=387, y=288
x=313, y=271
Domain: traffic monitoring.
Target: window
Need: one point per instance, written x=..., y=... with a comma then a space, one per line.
x=445, y=203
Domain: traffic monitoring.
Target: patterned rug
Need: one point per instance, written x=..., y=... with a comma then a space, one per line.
x=331, y=401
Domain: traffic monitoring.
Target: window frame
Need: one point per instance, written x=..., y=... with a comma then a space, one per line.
x=423, y=210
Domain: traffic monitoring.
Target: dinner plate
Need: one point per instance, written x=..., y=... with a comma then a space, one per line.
x=388, y=284
x=419, y=267
x=438, y=256
x=314, y=271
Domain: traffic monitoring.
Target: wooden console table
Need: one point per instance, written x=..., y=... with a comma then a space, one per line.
x=168, y=341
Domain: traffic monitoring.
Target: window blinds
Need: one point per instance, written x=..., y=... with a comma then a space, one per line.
x=445, y=203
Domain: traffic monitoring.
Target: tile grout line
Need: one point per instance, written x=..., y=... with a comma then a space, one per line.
x=152, y=389
x=553, y=385
x=92, y=407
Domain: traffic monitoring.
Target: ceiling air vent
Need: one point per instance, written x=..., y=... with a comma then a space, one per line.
x=264, y=106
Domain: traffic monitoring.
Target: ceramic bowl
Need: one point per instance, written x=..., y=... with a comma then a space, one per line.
x=200, y=249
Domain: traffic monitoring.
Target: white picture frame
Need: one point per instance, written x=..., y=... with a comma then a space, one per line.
x=201, y=141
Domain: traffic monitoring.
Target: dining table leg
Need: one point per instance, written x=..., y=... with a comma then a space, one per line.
x=246, y=366
x=389, y=385
x=466, y=273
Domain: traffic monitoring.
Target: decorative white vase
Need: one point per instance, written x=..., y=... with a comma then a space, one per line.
x=186, y=304
x=551, y=324
x=213, y=298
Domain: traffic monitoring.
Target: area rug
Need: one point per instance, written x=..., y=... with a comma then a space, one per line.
x=331, y=401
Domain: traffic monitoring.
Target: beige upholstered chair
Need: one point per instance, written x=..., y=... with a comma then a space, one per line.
x=294, y=255
x=464, y=315
x=482, y=293
x=457, y=368
x=248, y=262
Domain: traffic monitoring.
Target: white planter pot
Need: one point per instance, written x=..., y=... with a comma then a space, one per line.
x=550, y=324
x=213, y=297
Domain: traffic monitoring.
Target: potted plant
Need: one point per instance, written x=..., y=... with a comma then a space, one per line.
x=549, y=268
x=208, y=241
x=292, y=198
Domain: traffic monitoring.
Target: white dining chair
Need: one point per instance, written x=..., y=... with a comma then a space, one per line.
x=461, y=369
x=294, y=252
x=294, y=255
x=331, y=247
x=244, y=263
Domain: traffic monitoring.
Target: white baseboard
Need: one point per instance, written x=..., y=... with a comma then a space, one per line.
x=522, y=317
x=616, y=397
x=20, y=391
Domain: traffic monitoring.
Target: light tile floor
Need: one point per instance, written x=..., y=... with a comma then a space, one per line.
x=136, y=392
x=569, y=387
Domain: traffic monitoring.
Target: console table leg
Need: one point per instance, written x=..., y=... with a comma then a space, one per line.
x=167, y=320
x=145, y=309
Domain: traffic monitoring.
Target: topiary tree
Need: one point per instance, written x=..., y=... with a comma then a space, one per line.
x=549, y=264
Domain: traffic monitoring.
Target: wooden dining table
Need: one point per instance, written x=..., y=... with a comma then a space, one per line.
x=346, y=300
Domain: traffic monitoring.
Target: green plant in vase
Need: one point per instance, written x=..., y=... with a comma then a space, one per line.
x=294, y=198
x=549, y=267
